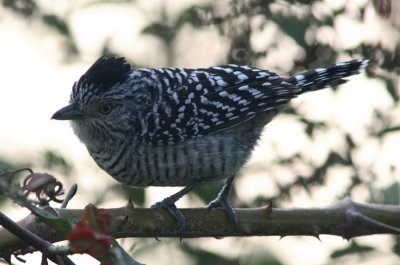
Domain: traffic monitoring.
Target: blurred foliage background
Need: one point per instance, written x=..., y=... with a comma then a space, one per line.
x=335, y=143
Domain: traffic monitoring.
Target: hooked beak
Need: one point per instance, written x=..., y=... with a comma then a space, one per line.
x=69, y=112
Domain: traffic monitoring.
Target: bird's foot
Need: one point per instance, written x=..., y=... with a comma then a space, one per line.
x=169, y=204
x=222, y=201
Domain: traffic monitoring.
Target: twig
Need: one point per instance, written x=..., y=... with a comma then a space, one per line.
x=71, y=193
x=344, y=218
x=35, y=241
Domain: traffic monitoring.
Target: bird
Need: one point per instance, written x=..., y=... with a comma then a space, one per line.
x=180, y=126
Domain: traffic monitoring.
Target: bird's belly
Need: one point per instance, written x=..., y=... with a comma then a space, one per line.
x=208, y=158
x=180, y=165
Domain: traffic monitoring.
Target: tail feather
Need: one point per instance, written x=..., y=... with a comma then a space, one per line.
x=327, y=76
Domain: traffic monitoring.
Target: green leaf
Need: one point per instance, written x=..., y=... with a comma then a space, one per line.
x=52, y=160
x=161, y=31
x=57, y=23
x=335, y=158
x=137, y=195
x=292, y=26
x=99, y=2
x=201, y=256
x=391, y=89
x=396, y=246
x=389, y=130
x=353, y=248
x=3, y=199
x=121, y=256
x=49, y=217
x=206, y=193
x=391, y=195
x=192, y=16
x=27, y=8
x=312, y=125
x=5, y=165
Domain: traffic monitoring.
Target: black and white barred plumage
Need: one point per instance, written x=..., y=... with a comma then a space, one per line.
x=176, y=126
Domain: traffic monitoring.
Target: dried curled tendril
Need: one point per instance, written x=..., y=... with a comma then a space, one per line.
x=45, y=186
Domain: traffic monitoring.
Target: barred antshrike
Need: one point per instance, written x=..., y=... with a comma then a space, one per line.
x=182, y=127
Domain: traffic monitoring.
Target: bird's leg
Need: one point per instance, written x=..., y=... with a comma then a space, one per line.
x=222, y=200
x=169, y=203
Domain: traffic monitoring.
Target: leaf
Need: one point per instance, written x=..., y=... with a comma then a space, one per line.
x=193, y=16
x=26, y=8
x=121, y=255
x=389, y=130
x=3, y=199
x=349, y=141
x=62, y=226
x=263, y=258
x=391, y=195
x=335, y=158
x=5, y=165
x=58, y=24
x=200, y=256
x=206, y=193
x=52, y=160
x=137, y=195
x=292, y=26
x=391, y=89
x=312, y=125
x=99, y=2
x=161, y=31
x=353, y=248
x=396, y=246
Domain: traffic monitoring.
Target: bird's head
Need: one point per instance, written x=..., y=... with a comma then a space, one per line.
x=104, y=101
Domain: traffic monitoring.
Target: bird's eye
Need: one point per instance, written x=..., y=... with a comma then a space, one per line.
x=105, y=109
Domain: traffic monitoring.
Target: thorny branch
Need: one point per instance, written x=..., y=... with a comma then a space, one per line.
x=344, y=218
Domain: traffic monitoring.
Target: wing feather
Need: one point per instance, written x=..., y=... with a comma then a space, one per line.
x=206, y=101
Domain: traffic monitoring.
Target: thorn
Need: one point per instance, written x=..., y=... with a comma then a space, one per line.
x=125, y=219
x=347, y=238
x=130, y=205
x=268, y=208
x=317, y=237
x=316, y=232
x=358, y=217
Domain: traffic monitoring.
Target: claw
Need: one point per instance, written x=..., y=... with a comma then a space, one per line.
x=173, y=210
x=169, y=204
x=222, y=200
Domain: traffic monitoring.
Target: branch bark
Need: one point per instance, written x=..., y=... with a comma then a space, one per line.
x=344, y=218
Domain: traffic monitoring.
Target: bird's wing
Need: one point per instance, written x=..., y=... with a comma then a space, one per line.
x=205, y=101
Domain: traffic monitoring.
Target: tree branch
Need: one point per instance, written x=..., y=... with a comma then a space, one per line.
x=33, y=240
x=344, y=218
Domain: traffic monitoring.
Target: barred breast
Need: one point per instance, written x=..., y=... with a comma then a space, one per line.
x=207, y=158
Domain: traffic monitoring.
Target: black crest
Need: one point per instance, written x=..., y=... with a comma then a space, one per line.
x=105, y=73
